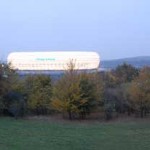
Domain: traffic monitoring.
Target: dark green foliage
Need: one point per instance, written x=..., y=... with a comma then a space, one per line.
x=117, y=83
x=87, y=90
x=8, y=78
x=109, y=79
x=91, y=88
x=15, y=104
x=38, y=93
x=125, y=73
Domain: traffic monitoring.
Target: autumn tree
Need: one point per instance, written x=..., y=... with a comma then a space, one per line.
x=140, y=92
x=67, y=96
x=76, y=93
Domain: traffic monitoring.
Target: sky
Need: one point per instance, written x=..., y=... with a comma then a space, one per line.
x=113, y=28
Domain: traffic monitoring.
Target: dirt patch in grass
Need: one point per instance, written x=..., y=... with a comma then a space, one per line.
x=92, y=119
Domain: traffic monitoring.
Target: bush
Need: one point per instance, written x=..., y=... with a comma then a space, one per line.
x=15, y=104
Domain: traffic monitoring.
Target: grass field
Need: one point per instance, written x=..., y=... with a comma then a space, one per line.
x=46, y=135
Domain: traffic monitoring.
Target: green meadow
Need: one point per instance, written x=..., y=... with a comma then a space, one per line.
x=50, y=135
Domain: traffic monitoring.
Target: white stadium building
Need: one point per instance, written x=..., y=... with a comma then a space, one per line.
x=53, y=61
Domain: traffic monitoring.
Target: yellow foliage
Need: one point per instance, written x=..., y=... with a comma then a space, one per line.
x=140, y=89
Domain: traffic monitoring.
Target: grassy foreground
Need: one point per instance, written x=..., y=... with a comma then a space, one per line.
x=45, y=135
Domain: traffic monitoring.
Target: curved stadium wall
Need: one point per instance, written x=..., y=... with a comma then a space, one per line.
x=53, y=61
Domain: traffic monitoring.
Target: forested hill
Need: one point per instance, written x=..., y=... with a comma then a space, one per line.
x=135, y=61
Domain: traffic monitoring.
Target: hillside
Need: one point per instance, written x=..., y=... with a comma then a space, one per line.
x=138, y=62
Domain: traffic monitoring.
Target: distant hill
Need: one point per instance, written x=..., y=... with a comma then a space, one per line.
x=138, y=62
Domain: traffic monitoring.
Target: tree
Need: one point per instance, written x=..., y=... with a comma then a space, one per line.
x=15, y=104
x=125, y=73
x=67, y=96
x=76, y=93
x=38, y=93
x=122, y=74
x=109, y=78
x=140, y=92
x=91, y=87
x=116, y=92
x=7, y=81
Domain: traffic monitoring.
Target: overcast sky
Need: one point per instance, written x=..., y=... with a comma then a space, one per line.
x=113, y=28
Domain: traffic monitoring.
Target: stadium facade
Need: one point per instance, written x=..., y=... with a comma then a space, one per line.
x=53, y=61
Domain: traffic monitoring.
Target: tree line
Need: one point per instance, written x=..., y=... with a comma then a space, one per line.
x=75, y=95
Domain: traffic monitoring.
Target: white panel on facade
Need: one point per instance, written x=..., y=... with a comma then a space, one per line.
x=53, y=60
